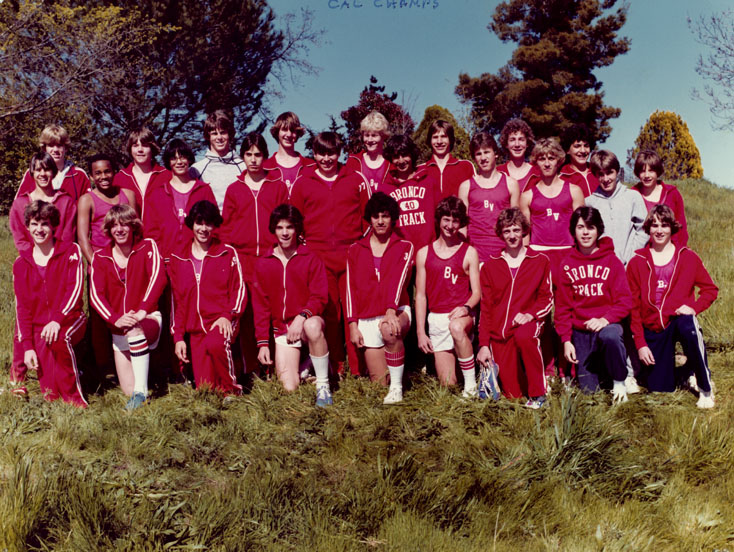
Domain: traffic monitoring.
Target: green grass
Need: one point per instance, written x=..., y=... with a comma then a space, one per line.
x=269, y=471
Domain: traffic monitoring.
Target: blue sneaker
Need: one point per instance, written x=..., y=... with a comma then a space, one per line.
x=136, y=401
x=536, y=403
x=488, y=384
x=323, y=396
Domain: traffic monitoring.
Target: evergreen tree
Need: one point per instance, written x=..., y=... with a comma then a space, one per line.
x=667, y=134
x=433, y=113
x=549, y=82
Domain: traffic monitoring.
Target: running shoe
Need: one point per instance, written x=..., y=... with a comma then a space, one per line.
x=535, y=403
x=631, y=384
x=470, y=393
x=619, y=392
x=323, y=396
x=136, y=401
x=705, y=400
x=394, y=396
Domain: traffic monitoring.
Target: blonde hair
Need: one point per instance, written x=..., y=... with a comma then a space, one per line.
x=376, y=122
x=547, y=146
x=53, y=135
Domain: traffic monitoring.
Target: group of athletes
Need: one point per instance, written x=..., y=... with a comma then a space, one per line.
x=250, y=258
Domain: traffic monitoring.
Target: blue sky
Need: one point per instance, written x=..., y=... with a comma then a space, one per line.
x=420, y=51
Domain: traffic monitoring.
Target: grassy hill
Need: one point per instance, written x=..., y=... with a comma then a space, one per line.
x=268, y=471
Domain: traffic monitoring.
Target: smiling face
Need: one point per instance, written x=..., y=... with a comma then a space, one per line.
x=449, y=227
x=57, y=153
x=285, y=232
x=404, y=165
x=42, y=176
x=180, y=165
x=517, y=144
x=122, y=234
x=578, y=152
x=287, y=138
x=327, y=163
x=141, y=153
x=660, y=232
x=102, y=174
x=485, y=159
x=373, y=141
x=203, y=232
x=548, y=165
x=608, y=180
x=586, y=236
x=381, y=223
x=440, y=143
x=219, y=141
x=41, y=231
x=512, y=236
x=648, y=177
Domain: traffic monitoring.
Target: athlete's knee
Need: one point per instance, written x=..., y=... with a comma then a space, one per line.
x=457, y=329
x=313, y=328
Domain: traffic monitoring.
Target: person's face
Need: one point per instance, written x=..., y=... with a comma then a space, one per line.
x=141, y=153
x=403, y=163
x=440, y=143
x=548, y=165
x=512, y=236
x=660, y=233
x=203, y=232
x=579, y=152
x=121, y=233
x=485, y=159
x=608, y=180
x=449, y=226
x=287, y=138
x=648, y=177
x=57, y=153
x=41, y=231
x=180, y=165
x=517, y=144
x=42, y=176
x=102, y=174
x=219, y=141
x=327, y=162
x=372, y=141
x=254, y=160
x=381, y=223
x=586, y=235
x=285, y=232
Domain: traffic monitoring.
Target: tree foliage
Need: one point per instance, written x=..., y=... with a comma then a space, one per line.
x=549, y=81
x=667, y=134
x=433, y=113
x=374, y=98
x=716, y=31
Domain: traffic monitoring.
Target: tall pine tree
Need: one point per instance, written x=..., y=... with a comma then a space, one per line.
x=549, y=81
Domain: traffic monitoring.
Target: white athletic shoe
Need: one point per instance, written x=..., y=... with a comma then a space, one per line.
x=692, y=383
x=394, y=396
x=705, y=400
x=470, y=393
x=619, y=393
x=631, y=385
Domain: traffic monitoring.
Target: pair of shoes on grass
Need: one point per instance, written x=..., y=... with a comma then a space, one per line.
x=136, y=401
x=323, y=396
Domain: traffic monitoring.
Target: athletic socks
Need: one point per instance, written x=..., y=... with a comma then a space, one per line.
x=321, y=367
x=395, y=365
x=140, y=358
x=469, y=372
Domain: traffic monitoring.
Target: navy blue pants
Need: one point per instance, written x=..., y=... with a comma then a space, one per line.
x=685, y=330
x=600, y=355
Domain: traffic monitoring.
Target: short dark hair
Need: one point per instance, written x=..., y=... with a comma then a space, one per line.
x=453, y=207
x=41, y=210
x=440, y=124
x=510, y=217
x=284, y=211
x=124, y=214
x=287, y=121
x=483, y=140
x=175, y=147
x=327, y=143
x=254, y=139
x=399, y=145
x=380, y=202
x=92, y=159
x=203, y=212
x=652, y=160
x=43, y=160
x=665, y=215
x=591, y=217
x=219, y=120
x=577, y=133
x=145, y=136
x=517, y=125
x=603, y=161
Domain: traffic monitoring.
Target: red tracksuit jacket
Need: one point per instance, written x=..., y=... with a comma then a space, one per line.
x=369, y=295
x=591, y=286
x=688, y=273
x=281, y=291
x=145, y=279
x=219, y=291
x=75, y=183
x=588, y=182
x=247, y=214
x=126, y=179
x=671, y=197
x=332, y=211
x=454, y=173
x=505, y=296
x=160, y=220
x=55, y=298
x=65, y=231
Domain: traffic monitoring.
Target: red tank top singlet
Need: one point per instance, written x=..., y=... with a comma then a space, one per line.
x=550, y=218
x=447, y=285
x=485, y=205
x=97, y=238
